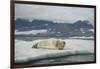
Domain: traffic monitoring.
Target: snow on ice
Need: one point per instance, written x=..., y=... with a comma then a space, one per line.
x=24, y=51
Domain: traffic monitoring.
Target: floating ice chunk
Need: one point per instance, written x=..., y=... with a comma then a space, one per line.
x=24, y=51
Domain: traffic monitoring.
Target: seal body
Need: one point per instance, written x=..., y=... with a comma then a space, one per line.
x=50, y=44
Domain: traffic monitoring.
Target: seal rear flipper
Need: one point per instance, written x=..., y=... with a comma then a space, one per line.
x=35, y=46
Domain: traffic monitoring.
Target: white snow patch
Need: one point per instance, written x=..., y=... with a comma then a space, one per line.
x=83, y=37
x=33, y=32
x=92, y=30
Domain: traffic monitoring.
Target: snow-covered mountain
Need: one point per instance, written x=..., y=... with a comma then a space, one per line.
x=50, y=28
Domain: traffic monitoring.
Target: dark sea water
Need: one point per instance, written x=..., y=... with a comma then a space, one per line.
x=63, y=59
x=66, y=59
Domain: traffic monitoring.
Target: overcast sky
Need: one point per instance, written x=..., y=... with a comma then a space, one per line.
x=54, y=13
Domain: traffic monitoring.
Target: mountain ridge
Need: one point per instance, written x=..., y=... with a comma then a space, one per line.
x=78, y=28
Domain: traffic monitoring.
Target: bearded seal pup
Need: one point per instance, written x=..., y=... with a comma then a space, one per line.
x=50, y=44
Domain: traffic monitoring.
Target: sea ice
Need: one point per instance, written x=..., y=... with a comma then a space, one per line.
x=24, y=51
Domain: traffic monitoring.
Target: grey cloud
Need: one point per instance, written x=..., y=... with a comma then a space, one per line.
x=54, y=13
